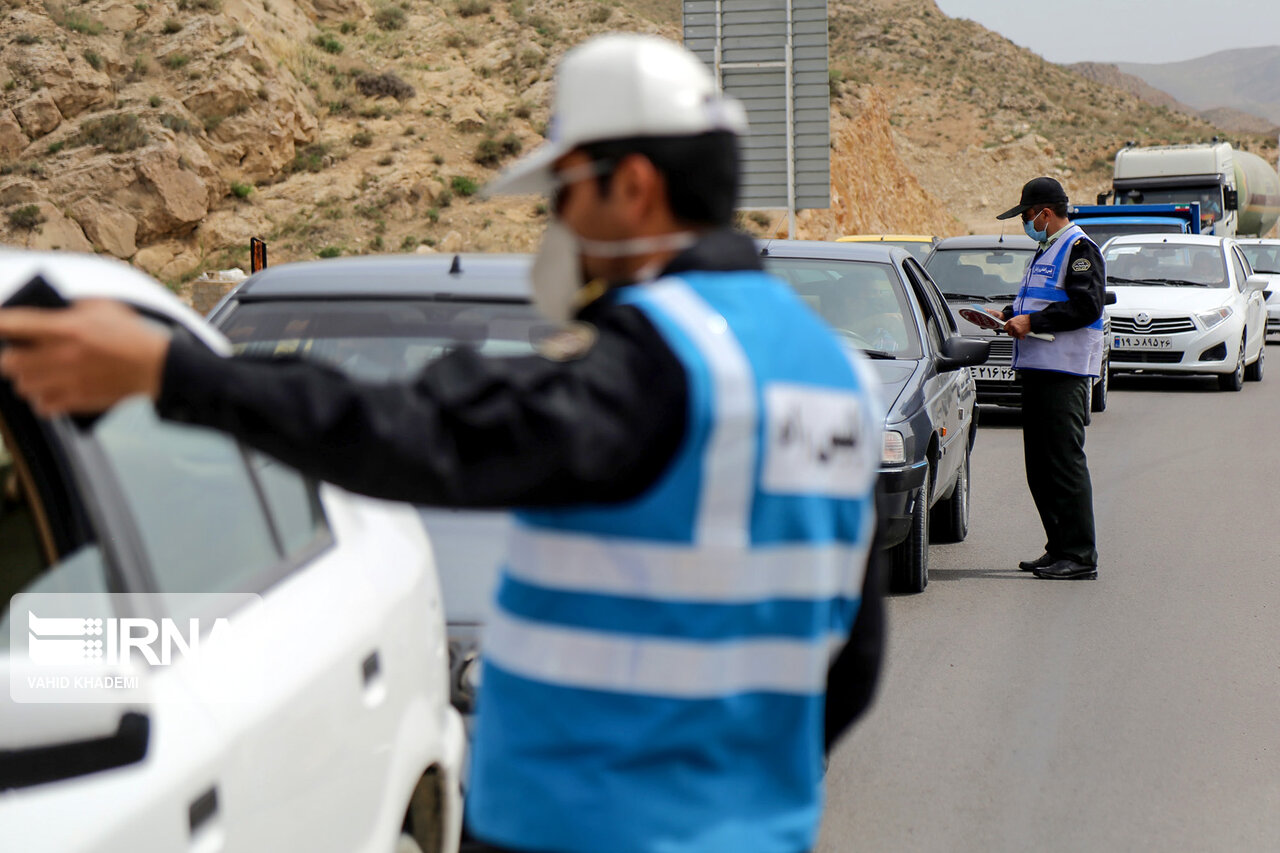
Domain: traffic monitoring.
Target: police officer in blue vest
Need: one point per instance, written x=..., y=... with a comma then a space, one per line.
x=690, y=613
x=1057, y=323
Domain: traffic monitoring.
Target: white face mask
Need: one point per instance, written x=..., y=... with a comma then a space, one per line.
x=557, y=275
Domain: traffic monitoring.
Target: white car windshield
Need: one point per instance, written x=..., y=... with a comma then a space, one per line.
x=1166, y=264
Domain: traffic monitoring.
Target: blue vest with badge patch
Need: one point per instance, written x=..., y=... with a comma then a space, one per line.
x=1078, y=351
x=655, y=671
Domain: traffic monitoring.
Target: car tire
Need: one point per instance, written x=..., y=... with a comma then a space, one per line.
x=1253, y=372
x=910, y=558
x=1234, y=380
x=950, y=520
x=1098, y=397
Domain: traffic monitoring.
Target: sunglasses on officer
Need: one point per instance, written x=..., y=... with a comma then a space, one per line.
x=562, y=180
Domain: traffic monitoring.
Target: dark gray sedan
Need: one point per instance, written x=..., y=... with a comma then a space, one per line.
x=881, y=301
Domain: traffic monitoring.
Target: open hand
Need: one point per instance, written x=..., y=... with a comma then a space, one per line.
x=82, y=359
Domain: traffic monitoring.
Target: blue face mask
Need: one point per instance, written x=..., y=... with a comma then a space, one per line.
x=1030, y=228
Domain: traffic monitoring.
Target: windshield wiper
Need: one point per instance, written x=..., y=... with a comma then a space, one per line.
x=1000, y=296
x=1182, y=282
x=950, y=295
x=1124, y=280
x=879, y=354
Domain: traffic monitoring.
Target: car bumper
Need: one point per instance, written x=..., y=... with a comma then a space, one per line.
x=1212, y=351
x=898, y=488
x=1273, y=318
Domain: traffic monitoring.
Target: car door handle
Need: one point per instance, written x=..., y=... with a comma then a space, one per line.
x=375, y=688
x=204, y=821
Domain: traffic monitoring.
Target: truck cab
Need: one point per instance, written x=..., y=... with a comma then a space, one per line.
x=1180, y=174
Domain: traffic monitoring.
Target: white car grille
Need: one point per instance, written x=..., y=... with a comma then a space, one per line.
x=1155, y=326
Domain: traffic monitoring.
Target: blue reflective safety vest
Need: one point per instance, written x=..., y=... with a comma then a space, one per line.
x=655, y=671
x=1078, y=351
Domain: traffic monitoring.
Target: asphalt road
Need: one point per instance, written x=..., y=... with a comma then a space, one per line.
x=1140, y=711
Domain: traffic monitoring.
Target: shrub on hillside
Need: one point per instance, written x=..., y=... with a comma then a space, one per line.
x=116, y=133
x=384, y=85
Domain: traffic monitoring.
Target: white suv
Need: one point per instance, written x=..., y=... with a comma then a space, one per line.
x=320, y=722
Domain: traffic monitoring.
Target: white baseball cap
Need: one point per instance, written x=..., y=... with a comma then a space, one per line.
x=620, y=86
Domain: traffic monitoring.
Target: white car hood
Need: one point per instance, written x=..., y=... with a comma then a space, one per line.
x=83, y=276
x=1167, y=301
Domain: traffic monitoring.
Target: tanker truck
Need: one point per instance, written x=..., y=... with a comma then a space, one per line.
x=1238, y=192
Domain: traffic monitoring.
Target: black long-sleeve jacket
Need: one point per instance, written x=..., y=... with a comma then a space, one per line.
x=1085, y=285
x=473, y=431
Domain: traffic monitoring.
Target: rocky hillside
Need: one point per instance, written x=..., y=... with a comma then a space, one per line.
x=168, y=132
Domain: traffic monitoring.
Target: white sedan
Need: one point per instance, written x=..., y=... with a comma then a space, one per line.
x=200, y=649
x=1185, y=303
x=1263, y=256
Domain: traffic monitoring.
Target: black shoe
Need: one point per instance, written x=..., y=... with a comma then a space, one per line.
x=1067, y=570
x=1044, y=561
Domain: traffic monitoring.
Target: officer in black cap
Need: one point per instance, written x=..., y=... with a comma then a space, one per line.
x=1056, y=322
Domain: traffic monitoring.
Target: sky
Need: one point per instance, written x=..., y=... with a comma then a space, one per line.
x=1125, y=30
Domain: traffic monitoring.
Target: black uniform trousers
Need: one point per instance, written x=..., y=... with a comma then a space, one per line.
x=1055, y=407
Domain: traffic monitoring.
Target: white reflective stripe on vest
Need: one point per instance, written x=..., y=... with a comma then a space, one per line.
x=727, y=485
x=655, y=666
x=674, y=572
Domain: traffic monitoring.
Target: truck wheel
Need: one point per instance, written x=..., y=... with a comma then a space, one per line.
x=951, y=515
x=910, y=559
x=1234, y=380
x=1098, y=400
x=1253, y=372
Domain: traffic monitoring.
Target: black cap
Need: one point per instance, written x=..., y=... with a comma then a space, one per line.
x=1037, y=191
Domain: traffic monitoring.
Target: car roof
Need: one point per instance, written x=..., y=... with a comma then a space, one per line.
x=78, y=275
x=1258, y=241
x=484, y=276
x=880, y=238
x=1178, y=239
x=986, y=241
x=820, y=250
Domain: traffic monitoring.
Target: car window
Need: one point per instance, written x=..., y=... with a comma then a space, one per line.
x=935, y=299
x=979, y=272
x=864, y=301
x=1241, y=268
x=1262, y=258
x=201, y=521
x=934, y=327
x=24, y=552
x=380, y=340
x=292, y=500
x=28, y=558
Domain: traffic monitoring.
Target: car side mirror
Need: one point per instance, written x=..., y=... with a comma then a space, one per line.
x=1255, y=283
x=958, y=352
x=1109, y=298
x=1231, y=199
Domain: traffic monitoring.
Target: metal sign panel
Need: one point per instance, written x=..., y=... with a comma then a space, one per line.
x=772, y=56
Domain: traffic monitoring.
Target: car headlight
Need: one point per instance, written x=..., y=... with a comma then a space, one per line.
x=895, y=448
x=1209, y=319
x=464, y=674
